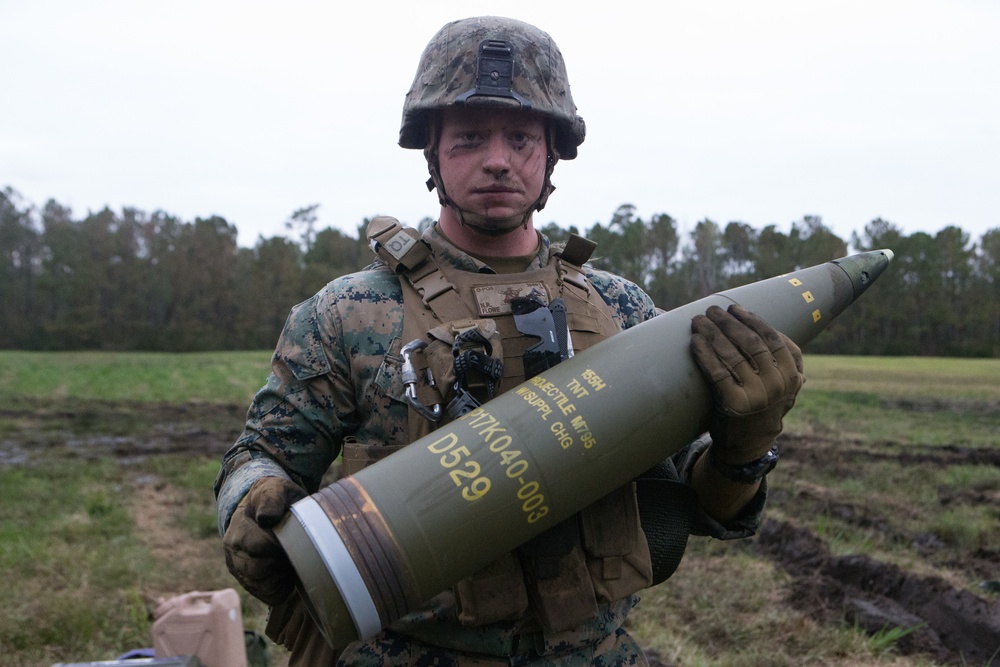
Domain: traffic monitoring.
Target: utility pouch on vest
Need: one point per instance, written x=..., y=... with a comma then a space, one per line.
x=465, y=358
x=559, y=585
x=547, y=549
x=618, y=556
x=494, y=593
x=564, y=597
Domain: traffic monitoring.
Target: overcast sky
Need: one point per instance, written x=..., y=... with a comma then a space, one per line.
x=760, y=112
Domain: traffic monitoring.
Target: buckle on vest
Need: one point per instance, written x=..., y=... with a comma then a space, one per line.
x=410, y=379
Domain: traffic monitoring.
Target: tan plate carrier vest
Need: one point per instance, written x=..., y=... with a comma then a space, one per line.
x=598, y=556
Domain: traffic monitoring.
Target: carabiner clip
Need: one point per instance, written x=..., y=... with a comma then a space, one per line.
x=410, y=381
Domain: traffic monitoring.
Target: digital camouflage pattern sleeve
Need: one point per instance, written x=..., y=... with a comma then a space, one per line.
x=329, y=380
x=630, y=303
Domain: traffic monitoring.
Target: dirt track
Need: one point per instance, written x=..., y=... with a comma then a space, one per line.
x=952, y=624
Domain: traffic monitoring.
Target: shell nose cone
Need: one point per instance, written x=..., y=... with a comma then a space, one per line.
x=879, y=262
x=864, y=268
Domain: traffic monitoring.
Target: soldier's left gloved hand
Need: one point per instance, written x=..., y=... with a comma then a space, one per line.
x=755, y=373
x=253, y=554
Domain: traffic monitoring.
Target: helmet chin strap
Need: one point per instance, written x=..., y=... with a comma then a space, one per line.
x=484, y=224
x=491, y=226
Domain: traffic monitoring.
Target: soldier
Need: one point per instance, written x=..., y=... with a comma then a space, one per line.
x=491, y=109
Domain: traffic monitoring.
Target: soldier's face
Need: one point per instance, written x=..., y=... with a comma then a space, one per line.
x=492, y=161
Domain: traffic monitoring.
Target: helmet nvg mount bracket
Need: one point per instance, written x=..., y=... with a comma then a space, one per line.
x=494, y=77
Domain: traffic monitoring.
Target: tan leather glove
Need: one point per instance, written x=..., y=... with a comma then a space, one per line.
x=755, y=373
x=253, y=553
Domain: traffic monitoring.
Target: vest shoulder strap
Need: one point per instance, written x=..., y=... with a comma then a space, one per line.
x=398, y=246
x=578, y=250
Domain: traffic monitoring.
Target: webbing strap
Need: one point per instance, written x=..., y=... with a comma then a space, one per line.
x=399, y=247
x=666, y=512
x=578, y=250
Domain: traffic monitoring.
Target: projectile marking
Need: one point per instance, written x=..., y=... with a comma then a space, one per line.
x=577, y=389
x=593, y=379
x=586, y=436
x=535, y=401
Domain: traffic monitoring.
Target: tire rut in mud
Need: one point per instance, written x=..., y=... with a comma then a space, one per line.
x=953, y=625
x=126, y=431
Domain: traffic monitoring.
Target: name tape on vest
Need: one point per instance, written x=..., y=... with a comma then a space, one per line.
x=493, y=300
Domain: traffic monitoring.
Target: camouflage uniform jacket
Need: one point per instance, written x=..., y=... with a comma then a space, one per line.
x=335, y=377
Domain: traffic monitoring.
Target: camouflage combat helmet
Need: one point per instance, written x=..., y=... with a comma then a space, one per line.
x=492, y=62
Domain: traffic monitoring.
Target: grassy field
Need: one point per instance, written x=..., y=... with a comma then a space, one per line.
x=107, y=462
x=148, y=377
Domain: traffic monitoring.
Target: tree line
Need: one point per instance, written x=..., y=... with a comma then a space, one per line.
x=133, y=280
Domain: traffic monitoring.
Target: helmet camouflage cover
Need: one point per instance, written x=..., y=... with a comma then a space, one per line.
x=491, y=61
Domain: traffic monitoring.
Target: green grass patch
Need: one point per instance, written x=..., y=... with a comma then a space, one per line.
x=70, y=567
x=967, y=528
x=196, y=479
x=216, y=377
x=972, y=478
x=900, y=400
x=938, y=378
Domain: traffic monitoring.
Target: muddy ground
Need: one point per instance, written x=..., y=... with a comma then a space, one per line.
x=954, y=624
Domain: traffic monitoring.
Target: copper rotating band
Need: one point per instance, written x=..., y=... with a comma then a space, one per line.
x=372, y=547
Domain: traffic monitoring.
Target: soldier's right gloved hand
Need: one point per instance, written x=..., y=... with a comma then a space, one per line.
x=253, y=553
